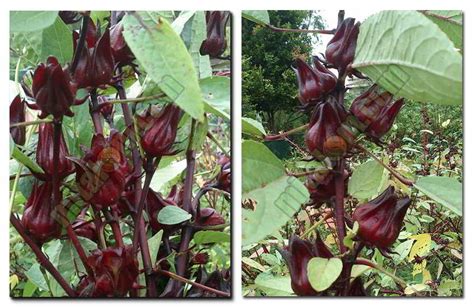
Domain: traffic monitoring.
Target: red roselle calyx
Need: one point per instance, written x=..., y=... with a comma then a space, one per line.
x=297, y=255
x=69, y=17
x=215, y=43
x=322, y=186
x=327, y=136
x=155, y=203
x=120, y=50
x=160, y=132
x=341, y=48
x=39, y=218
x=96, y=63
x=313, y=83
x=374, y=112
x=45, y=154
x=102, y=173
x=209, y=217
x=380, y=220
x=17, y=115
x=115, y=270
x=52, y=89
x=224, y=176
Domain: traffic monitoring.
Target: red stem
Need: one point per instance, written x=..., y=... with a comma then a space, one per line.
x=43, y=260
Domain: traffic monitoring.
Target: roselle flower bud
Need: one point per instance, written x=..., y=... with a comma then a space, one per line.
x=209, y=217
x=120, y=50
x=297, y=255
x=160, y=132
x=367, y=106
x=69, y=17
x=52, y=89
x=39, y=217
x=17, y=115
x=102, y=173
x=224, y=176
x=215, y=43
x=384, y=121
x=45, y=154
x=105, y=108
x=381, y=219
x=322, y=187
x=96, y=64
x=155, y=203
x=327, y=136
x=341, y=48
x=115, y=270
x=85, y=229
x=313, y=83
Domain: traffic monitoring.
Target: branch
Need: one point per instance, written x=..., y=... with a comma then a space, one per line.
x=43, y=260
x=362, y=261
x=80, y=43
x=30, y=123
x=185, y=280
x=286, y=134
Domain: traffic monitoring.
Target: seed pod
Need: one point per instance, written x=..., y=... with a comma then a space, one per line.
x=115, y=270
x=327, y=136
x=380, y=220
x=39, y=218
x=160, y=132
x=45, y=154
x=341, y=48
x=313, y=83
x=102, y=173
x=52, y=89
x=215, y=43
x=297, y=255
x=96, y=63
x=17, y=115
x=121, y=52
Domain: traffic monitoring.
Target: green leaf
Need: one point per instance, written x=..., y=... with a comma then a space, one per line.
x=323, y=272
x=216, y=92
x=254, y=264
x=253, y=128
x=172, y=215
x=277, y=202
x=35, y=275
x=200, y=133
x=450, y=22
x=57, y=41
x=162, y=53
x=12, y=146
x=25, y=21
x=259, y=17
x=274, y=285
x=368, y=180
x=409, y=56
x=166, y=174
x=193, y=34
x=29, y=289
x=445, y=191
x=154, y=243
x=257, y=157
x=180, y=21
x=210, y=236
x=20, y=157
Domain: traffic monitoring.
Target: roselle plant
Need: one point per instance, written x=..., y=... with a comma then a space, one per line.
x=121, y=169
x=342, y=212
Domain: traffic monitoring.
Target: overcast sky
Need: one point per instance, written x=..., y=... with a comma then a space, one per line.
x=330, y=18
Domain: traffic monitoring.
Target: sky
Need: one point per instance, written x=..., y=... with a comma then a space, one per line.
x=330, y=18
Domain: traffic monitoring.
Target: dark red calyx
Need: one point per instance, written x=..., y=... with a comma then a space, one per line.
x=17, y=115
x=341, y=48
x=215, y=43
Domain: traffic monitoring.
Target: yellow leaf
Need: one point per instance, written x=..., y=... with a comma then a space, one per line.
x=419, y=267
x=426, y=275
x=13, y=281
x=421, y=246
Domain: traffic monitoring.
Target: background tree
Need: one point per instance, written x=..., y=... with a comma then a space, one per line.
x=269, y=88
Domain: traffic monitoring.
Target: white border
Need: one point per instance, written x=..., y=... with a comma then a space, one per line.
x=235, y=7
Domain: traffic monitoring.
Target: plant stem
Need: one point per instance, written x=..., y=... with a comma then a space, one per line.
x=393, y=172
x=94, y=111
x=135, y=100
x=285, y=134
x=211, y=136
x=316, y=225
x=185, y=280
x=339, y=205
x=43, y=260
x=363, y=261
x=31, y=123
